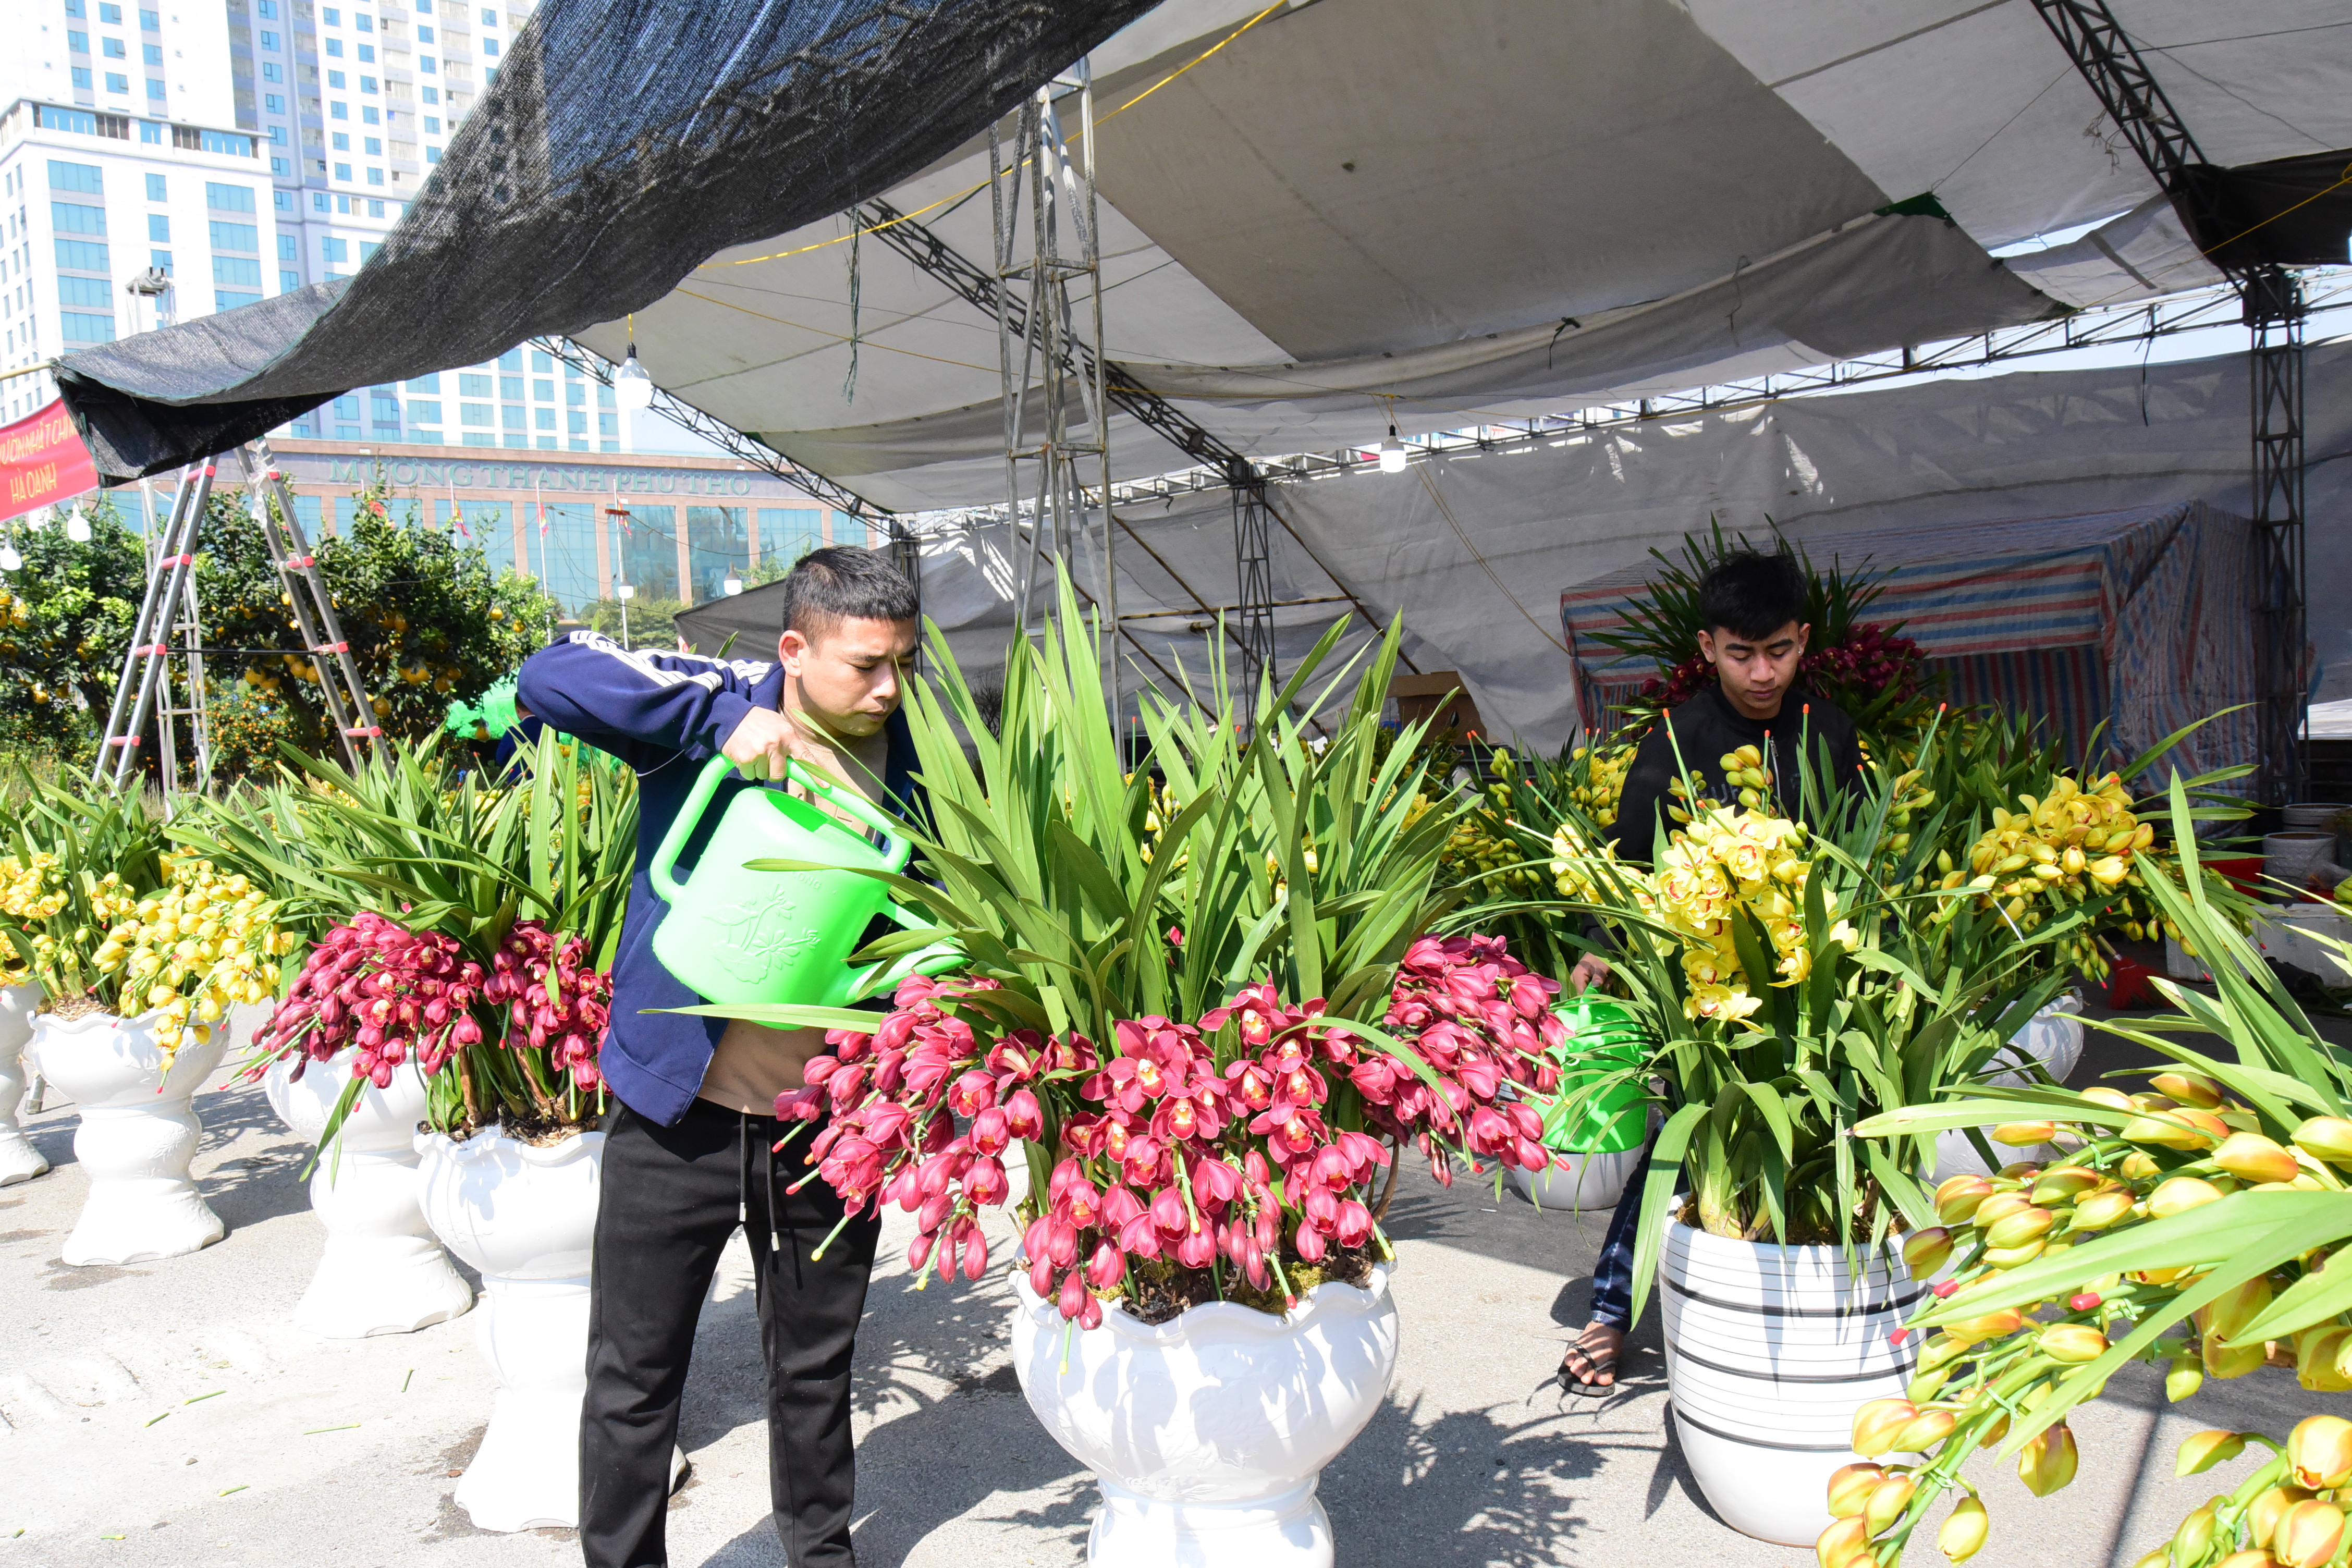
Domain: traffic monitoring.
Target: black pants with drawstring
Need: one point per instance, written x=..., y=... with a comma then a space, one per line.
x=672, y=1197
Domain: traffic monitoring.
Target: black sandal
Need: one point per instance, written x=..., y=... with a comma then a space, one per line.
x=1594, y=1367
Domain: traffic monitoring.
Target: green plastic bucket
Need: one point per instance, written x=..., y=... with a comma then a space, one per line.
x=1603, y=1036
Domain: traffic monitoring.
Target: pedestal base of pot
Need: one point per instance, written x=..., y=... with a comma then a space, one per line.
x=142, y=1204
x=381, y=1272
x=138, y=1133
x=20, y=1161
x=526, y=1474
x=1591, y=1185
x=1289, y=1530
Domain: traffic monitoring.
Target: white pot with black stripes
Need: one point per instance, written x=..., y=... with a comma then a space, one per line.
x=1769, y=1350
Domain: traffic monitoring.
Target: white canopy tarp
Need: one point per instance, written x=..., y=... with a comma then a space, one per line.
x=1353, y=211
x=1474, y=550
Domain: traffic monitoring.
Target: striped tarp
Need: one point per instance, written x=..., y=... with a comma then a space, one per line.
x=2142, y=617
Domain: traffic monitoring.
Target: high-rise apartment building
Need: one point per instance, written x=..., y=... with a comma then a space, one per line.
x=120, y=175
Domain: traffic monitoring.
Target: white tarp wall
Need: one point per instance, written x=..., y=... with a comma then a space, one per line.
x=1474, y=550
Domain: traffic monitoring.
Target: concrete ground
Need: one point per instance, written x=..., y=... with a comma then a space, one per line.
x=346, y=1452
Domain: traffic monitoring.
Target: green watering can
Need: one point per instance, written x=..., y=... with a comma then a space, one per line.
x=1603, y=1036
x=734, y=934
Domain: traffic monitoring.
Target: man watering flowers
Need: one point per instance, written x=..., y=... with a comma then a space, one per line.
x=688, y=1148
x=1757, y=718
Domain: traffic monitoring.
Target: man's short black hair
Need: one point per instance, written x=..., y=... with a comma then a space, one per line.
x=842, y=583
x=1751, y=595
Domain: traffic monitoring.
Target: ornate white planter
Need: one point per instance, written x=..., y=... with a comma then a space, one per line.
x=1769, y=1350
x=2054, y=1036
x=138, y=1133
x=1209, y=1434
x=20, y=1161
x=526, y=1218
x=1590, y=1184
x=381, y=1272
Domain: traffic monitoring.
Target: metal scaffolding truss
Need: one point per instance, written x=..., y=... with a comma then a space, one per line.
x=2221, y=305
x=1049, y=334
x=2274, y=309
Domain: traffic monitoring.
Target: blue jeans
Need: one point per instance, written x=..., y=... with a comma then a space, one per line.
x=1612, y=1272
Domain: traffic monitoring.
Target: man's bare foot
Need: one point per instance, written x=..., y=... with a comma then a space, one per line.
x=1589, y=1364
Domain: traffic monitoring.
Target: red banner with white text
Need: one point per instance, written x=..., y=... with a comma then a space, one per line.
x=43, y=462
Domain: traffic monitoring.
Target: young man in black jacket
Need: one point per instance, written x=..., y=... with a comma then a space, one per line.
x=687, y=1143
x=1755, y=636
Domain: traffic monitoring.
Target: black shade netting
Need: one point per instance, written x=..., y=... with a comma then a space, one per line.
x=624, y=143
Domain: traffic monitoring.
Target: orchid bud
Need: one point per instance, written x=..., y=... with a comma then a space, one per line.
x=1843, y=1544
x=1963, y=1534
x=1107, y=1268
x=1924, y=1431
x=1850, y=1488
x=975, y=1254
x=1926, y=1251
x=1074, y=1294
x=1956, y=1199
x=2263, y=1515
x=1887, y=1502
x=2047, y=1461
x=2320, y=1450
x=2252, y=1157
x=2203, y=1450
x=2071, y=1344
x=1877, y=1421
x=2308, y=1534
x=2327, y=1138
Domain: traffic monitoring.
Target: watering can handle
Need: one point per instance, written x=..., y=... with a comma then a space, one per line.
x=663, y=872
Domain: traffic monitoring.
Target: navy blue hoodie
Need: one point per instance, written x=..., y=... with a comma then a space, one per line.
x=664, y=714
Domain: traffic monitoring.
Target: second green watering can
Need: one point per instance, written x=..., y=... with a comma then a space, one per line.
x=735, y=934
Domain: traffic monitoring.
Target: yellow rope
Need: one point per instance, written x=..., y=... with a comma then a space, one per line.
x=960, y=195
x=838, y=337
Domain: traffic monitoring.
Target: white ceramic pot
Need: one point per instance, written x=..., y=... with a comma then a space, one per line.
x=2053, y=1037
x=1769, y=1350
x=1590, y=1184
x=20, y=1161
x=138, y=1133
x=381, y=1272
x=525, y=1217
x=1209, y=1434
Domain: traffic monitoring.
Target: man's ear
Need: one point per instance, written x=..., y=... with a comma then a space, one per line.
x=1706, y=645
x=791, y=648
x=1804, y=636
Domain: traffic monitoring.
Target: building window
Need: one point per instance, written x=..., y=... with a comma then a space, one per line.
x=608, y=424
x=84, y=294
x=490, y=47
x=239, y=270
x=542, y=390
x=161, y=260
x=80, y=327
x=341, y=140
x=289, y=281
x=343, y=171
x=364, y=23
x=605, y=397
x=150, y=22
x=242, y=237
x=278, y=136
x=367, y=84
x=157, y=191
x=335, y=80
x=148, y=133
x=334, y=18
x=428, y=384
x=367, y=51
x=375, y=176
x=272, y=71
x=151, y=54
x=335, y=250
x=335, y=48
x=86, y=178
x=276, y=103
x=545, y=418
x=155, y=90
x=423, y=412
x=423, y=33
x=281, y=200
x=71, y=217
x=232, y=298
x=117, y=82
x=228, y=198
x=476, y=413
x=576, y=422
x=432, y=125
x=112, y=48
x=270, y=41
x=81, y=78
x=489, y=17
x=82, y=256
x=383, y=410
x=432, y=153
x=110, y=15
x=266, y=9
x=375, y=148
x=575, y=392
x=77, y=42
x=367, y=251
x=509, y=387
x=319, y=201
x=159, y=228
x=511, y=417
x=367, y=114
x=431, y=95
x=347, y=406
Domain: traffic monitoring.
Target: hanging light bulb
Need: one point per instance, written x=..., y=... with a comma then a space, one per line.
x=9, y=560
x=1392, y=453
x=626, y=591
x=733, y=584
x=633, y=389
x=77, y=525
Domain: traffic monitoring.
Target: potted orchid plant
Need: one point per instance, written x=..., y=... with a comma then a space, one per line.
x=1202, y=1015
x=459, y=981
